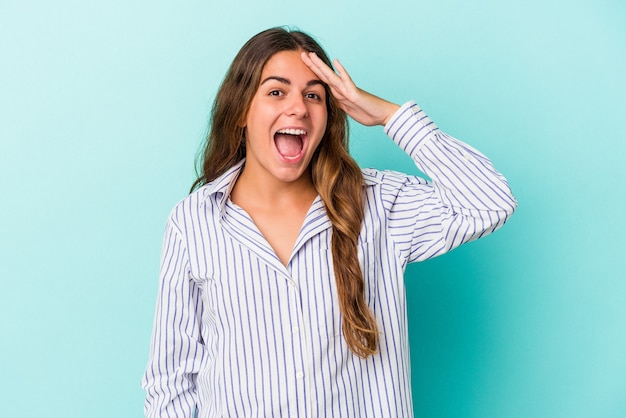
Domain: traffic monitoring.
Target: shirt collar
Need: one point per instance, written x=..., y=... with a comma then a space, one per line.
x=220, y=188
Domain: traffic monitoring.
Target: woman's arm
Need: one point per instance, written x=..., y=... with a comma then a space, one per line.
x=467, y=197
x=176, y=349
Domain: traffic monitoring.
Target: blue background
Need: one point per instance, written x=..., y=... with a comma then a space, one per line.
x=103, y=106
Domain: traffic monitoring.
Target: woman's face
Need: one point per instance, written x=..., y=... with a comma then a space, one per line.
x=286, y=119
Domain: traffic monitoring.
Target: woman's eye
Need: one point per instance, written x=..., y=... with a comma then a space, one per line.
x=313, y=96
x=275, y=93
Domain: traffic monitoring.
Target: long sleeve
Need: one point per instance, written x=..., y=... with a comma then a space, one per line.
x=176, y=349
x=465, y=199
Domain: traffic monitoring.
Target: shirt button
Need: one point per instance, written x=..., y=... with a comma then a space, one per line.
x=299, y=375
x=295, y=330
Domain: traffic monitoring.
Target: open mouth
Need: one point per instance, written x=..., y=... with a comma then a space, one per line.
x=290, y=142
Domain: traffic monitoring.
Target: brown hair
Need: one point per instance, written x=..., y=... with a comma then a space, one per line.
x=336, y=176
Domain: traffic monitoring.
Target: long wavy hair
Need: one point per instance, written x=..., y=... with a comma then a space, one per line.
x=336, y=176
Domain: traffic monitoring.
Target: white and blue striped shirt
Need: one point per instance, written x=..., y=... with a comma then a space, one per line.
x=239, y=334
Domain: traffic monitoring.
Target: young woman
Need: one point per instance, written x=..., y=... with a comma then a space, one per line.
x=281, y=289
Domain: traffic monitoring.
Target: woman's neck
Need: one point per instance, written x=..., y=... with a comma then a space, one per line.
x=268, y=191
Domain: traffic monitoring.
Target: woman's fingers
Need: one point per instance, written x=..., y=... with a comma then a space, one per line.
x=345, y=77
x=323, y=71
x=339, y=83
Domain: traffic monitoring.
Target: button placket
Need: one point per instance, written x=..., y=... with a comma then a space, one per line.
x=298, y=337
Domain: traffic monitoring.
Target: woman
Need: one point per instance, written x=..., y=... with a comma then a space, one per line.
x=281, y=289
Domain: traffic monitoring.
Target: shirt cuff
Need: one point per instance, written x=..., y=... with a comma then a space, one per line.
x=410, y=128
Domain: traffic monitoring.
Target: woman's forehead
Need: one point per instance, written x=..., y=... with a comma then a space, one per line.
x=289, y=66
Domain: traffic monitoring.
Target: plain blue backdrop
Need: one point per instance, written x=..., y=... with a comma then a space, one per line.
x=103, y=106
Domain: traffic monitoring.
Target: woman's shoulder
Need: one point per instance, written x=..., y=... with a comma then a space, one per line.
x=188, y=205
x=210, y=196
x=374, y=177
x=387, y=186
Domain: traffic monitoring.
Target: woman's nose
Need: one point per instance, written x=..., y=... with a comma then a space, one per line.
x=297, y=107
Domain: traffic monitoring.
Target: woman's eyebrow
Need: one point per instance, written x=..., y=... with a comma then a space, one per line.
x=288, y=82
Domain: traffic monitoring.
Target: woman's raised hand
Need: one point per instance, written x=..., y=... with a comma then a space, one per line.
x=360, y=105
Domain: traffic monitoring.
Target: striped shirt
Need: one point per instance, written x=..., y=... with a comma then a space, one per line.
x=237, y=333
